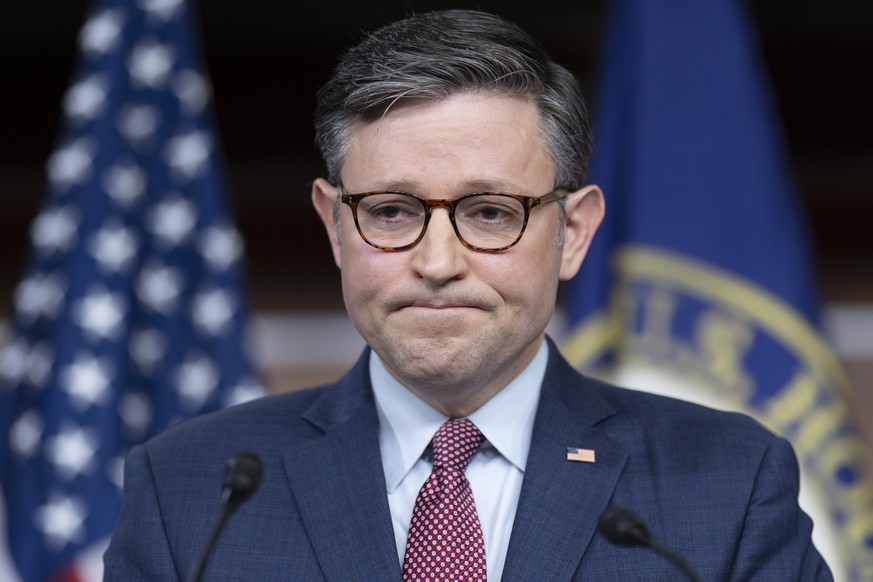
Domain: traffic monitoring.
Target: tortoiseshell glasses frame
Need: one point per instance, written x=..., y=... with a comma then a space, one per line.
x=495, y=221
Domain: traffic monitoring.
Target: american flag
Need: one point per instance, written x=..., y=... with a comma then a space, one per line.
x=131, y=313
x=580, y=455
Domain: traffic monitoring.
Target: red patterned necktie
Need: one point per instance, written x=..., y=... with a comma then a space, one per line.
x=445, y=537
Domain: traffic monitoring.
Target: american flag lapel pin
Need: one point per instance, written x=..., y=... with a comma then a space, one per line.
x=580, y=455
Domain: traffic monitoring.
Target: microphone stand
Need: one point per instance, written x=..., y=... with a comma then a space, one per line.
x=241, y=477
x=622, y=526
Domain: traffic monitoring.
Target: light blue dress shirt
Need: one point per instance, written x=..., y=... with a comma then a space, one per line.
x=407, y=425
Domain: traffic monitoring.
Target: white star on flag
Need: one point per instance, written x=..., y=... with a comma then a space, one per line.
x=62, y=520
x=163, y=9
x=172, y=221
x=87, y=381
x=13, y=361
x=188, y=153
x=39, y=295
x=114, y=247
x=101, y=32
x=54, y=229
x=39, y=364
x=135, y=410
x=212, y=310
x=192, y=90
x=100, y=314
x=72, y=450
x=158, y=288
x=72, y=163
x=150, y=64
x=221, y=246
x=26, y=434
x=115, y=472
x=84, y=100
x=243, y=392
x=125, y=183
x=196, y=380
x=147, y=347
x=138, y=123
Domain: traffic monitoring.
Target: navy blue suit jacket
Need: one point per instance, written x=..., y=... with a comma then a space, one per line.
x=716, y=487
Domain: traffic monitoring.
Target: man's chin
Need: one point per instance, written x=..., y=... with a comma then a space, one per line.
x=433, y=323
x=430, y=356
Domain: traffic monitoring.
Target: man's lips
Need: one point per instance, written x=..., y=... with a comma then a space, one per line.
x=437, y=311
x=438, y=304
x=441, y=306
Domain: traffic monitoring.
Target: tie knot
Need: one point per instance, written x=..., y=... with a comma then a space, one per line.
x=455, y=443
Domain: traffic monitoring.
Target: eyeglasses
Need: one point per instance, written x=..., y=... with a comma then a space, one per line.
x=487, y=222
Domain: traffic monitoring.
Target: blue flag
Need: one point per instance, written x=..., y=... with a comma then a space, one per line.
x=699, y=284
x=131, y=313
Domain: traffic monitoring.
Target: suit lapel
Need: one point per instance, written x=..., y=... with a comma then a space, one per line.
x=339, y=486
x=560, y=499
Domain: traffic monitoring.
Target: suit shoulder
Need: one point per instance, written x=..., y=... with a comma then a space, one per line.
x=669, y=415
x=265, y=419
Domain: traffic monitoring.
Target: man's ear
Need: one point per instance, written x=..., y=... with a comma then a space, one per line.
x=324, y=196
x=584, y=210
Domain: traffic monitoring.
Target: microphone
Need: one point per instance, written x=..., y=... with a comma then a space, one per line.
x=241, y=477
x=622, y=526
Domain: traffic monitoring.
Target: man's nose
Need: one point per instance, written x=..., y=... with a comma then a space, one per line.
x=440, y=255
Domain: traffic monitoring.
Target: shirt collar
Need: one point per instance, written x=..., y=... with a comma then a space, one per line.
x=407, y=423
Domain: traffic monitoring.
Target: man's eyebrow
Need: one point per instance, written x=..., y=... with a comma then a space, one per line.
x=392, y=185
x=464, y=187
x=490, y=186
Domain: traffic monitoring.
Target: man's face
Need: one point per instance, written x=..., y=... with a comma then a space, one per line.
x=452, y=324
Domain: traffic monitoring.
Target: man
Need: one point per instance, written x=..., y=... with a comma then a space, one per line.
x=461, y=446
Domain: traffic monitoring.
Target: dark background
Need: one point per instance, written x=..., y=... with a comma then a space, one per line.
x=266, y=59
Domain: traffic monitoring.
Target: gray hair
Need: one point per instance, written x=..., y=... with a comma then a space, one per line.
x=435, y=55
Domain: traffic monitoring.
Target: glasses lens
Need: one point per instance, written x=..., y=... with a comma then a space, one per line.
x=390, y=220
x=490, y=221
